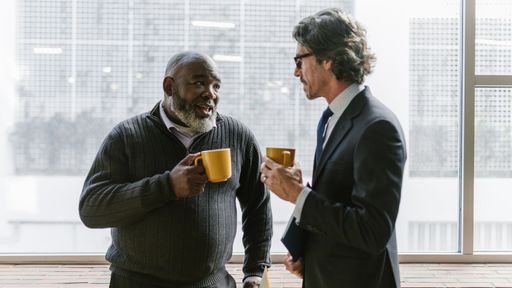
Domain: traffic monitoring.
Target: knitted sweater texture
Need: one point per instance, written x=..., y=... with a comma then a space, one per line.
x=164, y=240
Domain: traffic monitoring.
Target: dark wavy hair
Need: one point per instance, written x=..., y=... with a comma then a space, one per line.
x=332, y=34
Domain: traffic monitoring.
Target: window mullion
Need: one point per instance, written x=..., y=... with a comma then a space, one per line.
x=468, y=127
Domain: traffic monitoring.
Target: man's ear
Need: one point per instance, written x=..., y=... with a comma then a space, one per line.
x=168, y=84
x=327, y=64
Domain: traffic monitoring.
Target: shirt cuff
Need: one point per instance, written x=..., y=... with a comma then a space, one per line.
x=301, y=199
x=256, y=279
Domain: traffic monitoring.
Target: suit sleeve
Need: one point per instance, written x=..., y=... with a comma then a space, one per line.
x=109, y=199
x=256, y=214
x=368, y=221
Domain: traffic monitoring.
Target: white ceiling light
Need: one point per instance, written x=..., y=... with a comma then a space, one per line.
x=227, y=58
x=214, y=24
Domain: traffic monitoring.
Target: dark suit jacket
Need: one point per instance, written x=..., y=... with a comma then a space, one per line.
x=350, y=215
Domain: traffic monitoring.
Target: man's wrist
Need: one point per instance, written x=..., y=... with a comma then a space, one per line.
x=299, y=204
x=296, y=191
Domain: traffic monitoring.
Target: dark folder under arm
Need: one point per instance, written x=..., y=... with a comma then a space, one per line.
x=293, y=239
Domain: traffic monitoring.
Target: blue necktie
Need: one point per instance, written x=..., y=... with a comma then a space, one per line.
x=320, y=131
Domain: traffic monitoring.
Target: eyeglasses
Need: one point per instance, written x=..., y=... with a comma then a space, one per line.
x=298, y=59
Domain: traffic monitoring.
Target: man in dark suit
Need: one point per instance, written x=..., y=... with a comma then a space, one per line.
x=347, y=216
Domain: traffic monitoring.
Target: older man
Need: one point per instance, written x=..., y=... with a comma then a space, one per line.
x=170, y=227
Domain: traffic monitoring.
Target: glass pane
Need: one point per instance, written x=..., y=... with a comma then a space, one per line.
x=493, y=37
x=417, y=75
x=493, y=169
x=68, y=87
x=89, y=70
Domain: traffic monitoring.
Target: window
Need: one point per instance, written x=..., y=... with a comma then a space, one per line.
x=493, y=126
x=76, y=68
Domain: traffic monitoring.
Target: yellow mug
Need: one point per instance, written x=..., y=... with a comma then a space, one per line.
x=283, y=156
x=216, y=163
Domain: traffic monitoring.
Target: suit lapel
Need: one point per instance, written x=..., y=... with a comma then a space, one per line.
x=341, y=129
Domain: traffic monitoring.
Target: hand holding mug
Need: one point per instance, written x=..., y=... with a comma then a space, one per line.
x=278, y=174
x=187, y=180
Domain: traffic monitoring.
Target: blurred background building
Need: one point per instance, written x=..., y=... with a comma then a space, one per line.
x=85, y=65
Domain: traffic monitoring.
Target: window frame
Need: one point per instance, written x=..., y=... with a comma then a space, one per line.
x=469, y=83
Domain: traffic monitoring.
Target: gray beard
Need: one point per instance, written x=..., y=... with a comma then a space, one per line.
x=186, y=113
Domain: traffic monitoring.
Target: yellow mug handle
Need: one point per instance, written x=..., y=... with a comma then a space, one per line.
x=197, y=160
x=287, y=159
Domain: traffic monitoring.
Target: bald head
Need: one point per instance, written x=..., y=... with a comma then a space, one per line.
x=188, y=57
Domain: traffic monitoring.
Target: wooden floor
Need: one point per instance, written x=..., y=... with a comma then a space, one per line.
x=413, y=275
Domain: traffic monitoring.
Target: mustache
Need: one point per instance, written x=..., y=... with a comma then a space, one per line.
x=210, y=103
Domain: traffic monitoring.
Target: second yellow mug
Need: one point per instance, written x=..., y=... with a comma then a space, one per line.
x=216, y=163
x=283, y=156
